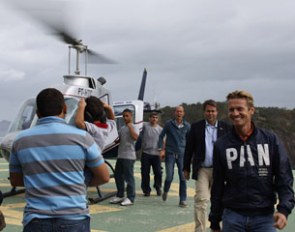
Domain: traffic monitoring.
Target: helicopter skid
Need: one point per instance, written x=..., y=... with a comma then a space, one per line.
x=13, y=192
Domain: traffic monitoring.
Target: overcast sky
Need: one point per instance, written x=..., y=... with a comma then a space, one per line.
x=193, y=50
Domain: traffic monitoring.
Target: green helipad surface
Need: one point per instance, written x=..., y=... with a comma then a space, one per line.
x=148, y=214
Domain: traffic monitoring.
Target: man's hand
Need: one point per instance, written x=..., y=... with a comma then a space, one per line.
x=133, y=133
x=162, y=154
x=280, y=220
x=186, y=174
x=82, y=103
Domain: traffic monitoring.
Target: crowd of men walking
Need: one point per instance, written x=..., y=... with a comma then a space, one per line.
x=56, y=162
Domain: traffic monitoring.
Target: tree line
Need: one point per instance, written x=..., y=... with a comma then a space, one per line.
x=279, y=120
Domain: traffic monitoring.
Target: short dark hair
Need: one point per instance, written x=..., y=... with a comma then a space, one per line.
x=50, y=102
x=127, y=111
x=209, y=102
x=94, y=107
x=153, y=113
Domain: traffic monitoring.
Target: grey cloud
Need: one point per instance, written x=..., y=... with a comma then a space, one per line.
x=193, y=50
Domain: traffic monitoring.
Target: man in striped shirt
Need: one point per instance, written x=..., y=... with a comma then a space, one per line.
x=49, y=160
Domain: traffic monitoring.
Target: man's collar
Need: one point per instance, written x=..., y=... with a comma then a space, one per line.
x=176, y=122
x=215, y=125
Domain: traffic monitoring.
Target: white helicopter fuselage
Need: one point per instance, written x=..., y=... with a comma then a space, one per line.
x=74, y=88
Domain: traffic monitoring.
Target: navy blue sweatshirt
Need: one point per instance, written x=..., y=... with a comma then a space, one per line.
x=249, y=175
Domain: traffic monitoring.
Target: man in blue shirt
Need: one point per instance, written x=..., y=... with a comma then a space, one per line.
x=49, y=160
x=176, y=131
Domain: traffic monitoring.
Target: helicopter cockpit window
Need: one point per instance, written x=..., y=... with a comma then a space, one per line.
x=118, y=110
x=28, y=116
x=91, y=83
x=25, y=116
x=72, y=105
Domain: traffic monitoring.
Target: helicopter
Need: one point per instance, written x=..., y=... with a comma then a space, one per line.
x=75, y=85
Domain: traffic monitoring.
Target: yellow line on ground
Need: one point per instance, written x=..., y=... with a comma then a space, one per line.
x=174, y=189
x=13, y=217
x=96, y=209
x=181, y=228
x=14, y=205
x=5, y=185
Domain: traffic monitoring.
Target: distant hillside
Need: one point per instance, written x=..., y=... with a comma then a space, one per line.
x=279, y=120
x=3, y=127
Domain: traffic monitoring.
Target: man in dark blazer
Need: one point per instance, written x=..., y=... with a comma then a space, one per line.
x=199, y=152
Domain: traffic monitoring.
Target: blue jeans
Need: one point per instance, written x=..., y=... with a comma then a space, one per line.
x=235, y=222
x=146, y=162
x=170, y=160
x=58, y=225
x=124, y=171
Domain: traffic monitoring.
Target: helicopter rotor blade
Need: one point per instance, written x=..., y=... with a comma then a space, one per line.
x=93, y=57
x=67, y=38
x=51, y=15
x=63, y=35
x=96, y=58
